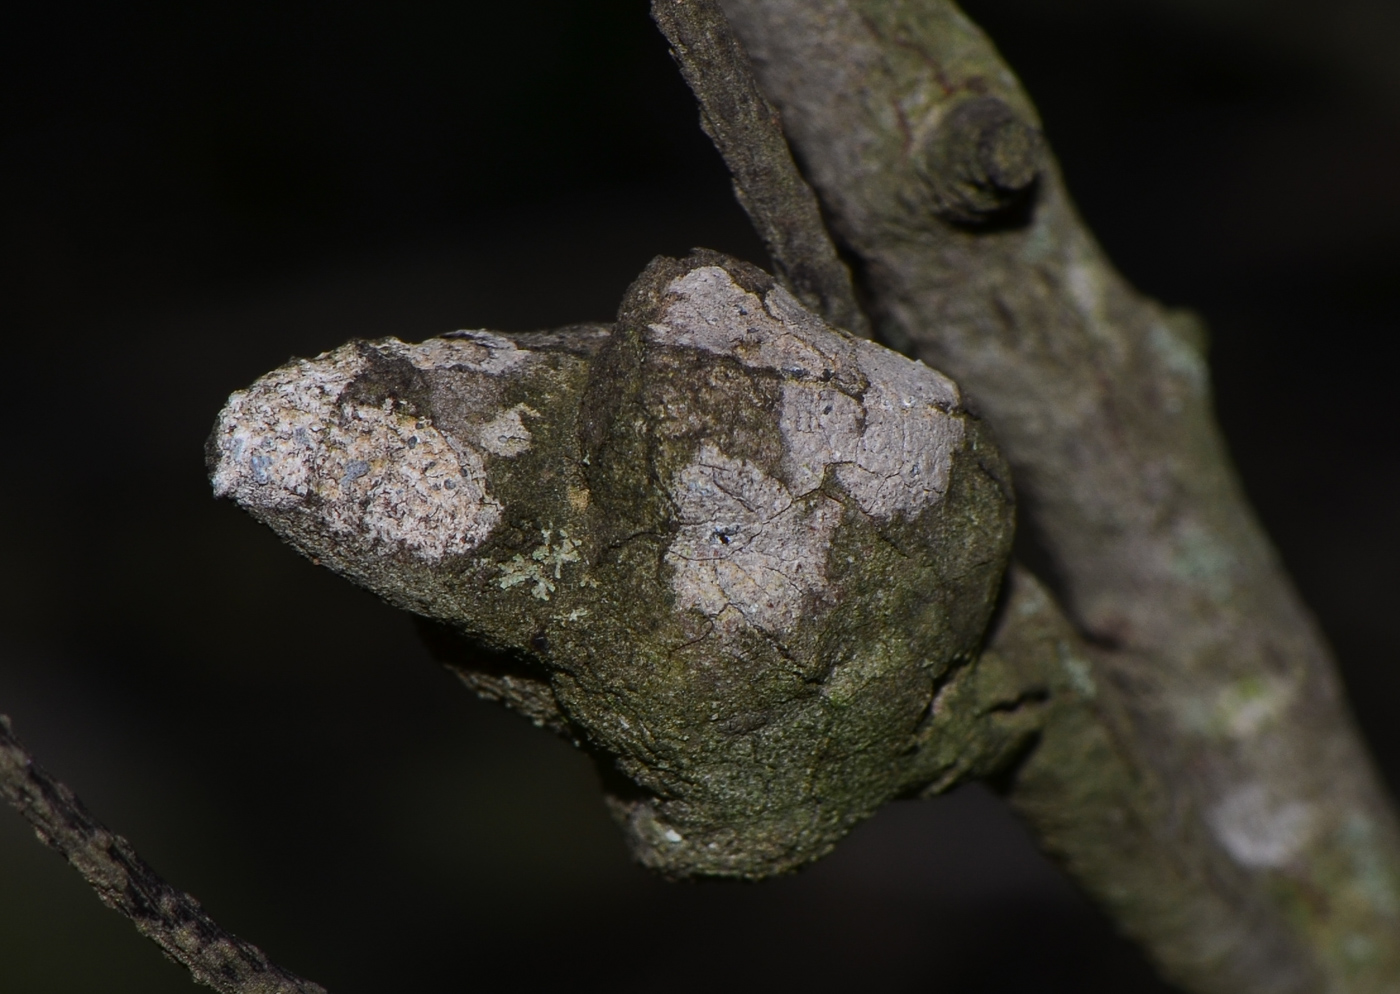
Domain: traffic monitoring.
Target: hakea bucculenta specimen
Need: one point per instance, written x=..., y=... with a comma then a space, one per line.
x=744, y=557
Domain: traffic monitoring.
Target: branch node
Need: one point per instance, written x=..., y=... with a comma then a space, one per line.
x=981, y=162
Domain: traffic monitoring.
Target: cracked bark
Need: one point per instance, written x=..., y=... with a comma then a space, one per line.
x=743, y=557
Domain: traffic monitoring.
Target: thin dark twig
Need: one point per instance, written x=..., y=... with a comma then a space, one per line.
x=126, y=883
x=748, y=132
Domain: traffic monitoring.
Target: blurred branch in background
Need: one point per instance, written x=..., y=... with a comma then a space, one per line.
x=128, y=885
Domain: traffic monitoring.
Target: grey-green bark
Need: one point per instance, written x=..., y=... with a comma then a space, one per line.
x=1104, y=798
x=1101, y=401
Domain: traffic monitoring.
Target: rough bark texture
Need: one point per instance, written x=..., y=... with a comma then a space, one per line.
x=748, y=133
x=1100, y=399
x=127, y=884
x=745, y=558
x=1108, y=804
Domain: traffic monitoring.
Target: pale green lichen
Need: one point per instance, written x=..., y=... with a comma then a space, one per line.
x=544, y=567
x=1079, y=671
x=1239, y=709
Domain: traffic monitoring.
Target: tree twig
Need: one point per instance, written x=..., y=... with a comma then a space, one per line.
x=127, y=884
x=1101, y=399
x=749, y=135
x=1121, y=819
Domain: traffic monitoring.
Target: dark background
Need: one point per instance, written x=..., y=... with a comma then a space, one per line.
x=191, y=193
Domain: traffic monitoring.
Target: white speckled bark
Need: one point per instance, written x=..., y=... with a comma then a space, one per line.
x=374, y=473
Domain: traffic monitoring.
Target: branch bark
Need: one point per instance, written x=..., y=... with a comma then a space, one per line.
x=1105, y=799
x=746, y=560
x=1101, y=399
x=749, y=135
x=127, y=884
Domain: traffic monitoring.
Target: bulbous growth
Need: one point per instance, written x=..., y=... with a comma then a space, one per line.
x=981, y=162
x=743, y=557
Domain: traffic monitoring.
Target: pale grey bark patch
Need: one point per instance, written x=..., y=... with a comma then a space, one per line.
x=820, y=425
x=474, y=351
x=884, y=422
x=712, y=312
x=748, y=552
x=905, y=452
x=376, y=473
x=1260, y=830
x=506, y=434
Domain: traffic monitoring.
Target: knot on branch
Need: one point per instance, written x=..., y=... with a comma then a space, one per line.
x=980, y=163
x=743, y=557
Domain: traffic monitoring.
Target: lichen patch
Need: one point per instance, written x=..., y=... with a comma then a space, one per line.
x=506, y=434
x=748, y=551
x=377, y=473
x=545, y=567
x=710, y=312
x=905, y=452
x=1260, y=830
x=886, y=423
x=820, y=426
x=474, y=351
